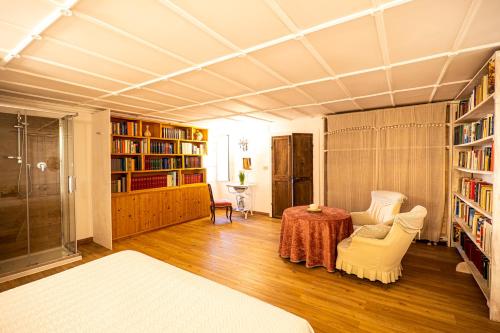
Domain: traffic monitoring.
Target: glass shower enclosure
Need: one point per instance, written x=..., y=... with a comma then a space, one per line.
x=37, y=222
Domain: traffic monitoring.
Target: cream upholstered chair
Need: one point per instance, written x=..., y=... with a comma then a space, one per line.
x=384, y=206
x=380, y=259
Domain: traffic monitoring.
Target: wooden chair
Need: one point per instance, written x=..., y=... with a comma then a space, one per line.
x=214, y=204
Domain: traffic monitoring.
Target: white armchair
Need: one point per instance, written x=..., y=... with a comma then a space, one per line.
x=384, y=206
x=380, y=259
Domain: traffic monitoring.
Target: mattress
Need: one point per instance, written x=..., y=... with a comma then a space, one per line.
x=132, y=292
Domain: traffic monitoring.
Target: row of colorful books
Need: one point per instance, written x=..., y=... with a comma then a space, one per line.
x=125, y=164
x=478, y=191
x=473, y=131
x=479, y=260
x=157, y=147
x=193, y=178
x=480, y=92
x=125, y=128
x=477, y=159
x=174, y=133
x=127, y=146
x=196, y=149
x=479, y=226
x=146, y=182
x=192, y=161
x=159, y=163
x=119, y=185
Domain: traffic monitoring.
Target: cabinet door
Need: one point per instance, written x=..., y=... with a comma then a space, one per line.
x=302, y=169
x=281, y=174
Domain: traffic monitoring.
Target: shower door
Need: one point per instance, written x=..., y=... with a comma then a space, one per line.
x=36, y=191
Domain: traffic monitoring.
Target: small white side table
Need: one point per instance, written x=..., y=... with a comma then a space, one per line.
x=244, y=197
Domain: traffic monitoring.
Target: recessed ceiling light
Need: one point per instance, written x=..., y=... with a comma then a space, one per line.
x=36, y=37
x=66, y=12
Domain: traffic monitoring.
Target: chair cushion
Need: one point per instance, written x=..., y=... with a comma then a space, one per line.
x=377, y=231
x=222, y=203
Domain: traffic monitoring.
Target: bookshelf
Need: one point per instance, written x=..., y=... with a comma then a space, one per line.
x=475, y=180
x=150, y=158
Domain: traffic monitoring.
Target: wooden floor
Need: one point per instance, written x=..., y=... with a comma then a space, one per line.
x=430, y=297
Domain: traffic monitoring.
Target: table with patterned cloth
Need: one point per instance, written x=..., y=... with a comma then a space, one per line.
x=313, y=237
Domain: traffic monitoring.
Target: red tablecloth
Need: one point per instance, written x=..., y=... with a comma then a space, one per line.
x=313, y=237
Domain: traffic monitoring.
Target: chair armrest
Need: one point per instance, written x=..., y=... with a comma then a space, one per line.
x=361, y=218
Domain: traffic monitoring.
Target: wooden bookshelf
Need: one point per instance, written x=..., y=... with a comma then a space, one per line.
x=466, y=120
x=160, y=161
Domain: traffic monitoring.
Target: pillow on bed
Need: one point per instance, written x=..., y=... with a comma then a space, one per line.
x=377, y=231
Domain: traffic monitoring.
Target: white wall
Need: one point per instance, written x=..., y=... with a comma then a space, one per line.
x=258, y=134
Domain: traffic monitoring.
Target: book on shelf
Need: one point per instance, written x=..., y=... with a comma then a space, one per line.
x=126, y=146
x=193, y=178
x=478, y=191
x=480, y=159
x=158, y=163
x=479, y=226
x=470, y=132
x=125, y=164
x=168, y=179
x=192, y=161
x=161, y=147
x=119, y=185
x=484, y=89
x=125, y=128
x=195, y=149
x=479, y=260
x=174, y=133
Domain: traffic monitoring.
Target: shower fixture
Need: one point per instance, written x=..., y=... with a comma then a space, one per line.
x=19, y=126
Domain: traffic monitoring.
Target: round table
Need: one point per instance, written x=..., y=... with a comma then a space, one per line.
x=313, y=237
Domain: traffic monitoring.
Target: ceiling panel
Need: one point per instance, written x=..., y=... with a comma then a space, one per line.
x=423, y=27
x=417, y=74
x=10, y=36
x=149, y=94
x=234, y=106
x=375, y=102
x=289, y=97
x=448, y=92
x=262, y=102
x=178, y=117
x=306, y=14
x=314, y=110
x=366, y=84
x=266, y=116
x=486, y=26
x=118, y=107
x=289, y=114
x=292, y=61
x=341, y=106
x=350, y=46
x=5, y=92
x=244, y=22
x=26, y=13
x=176, y=88
x=41, y=92
x=62, y=55
x=413, y=96
x=135, y=102
x=464, y=66
x=243, y=70
x=205, y=111
x=162, y=27
x=206, y=81
x=23, y=78
x=324, y=91
x=41, y=68
x=79, y=32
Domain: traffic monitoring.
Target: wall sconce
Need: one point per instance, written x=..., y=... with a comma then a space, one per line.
x=243, y=144
x=247, y=163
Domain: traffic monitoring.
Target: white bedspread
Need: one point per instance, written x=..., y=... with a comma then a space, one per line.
x=132, y=292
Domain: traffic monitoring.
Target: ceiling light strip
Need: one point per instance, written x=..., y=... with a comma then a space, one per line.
x=36, y=32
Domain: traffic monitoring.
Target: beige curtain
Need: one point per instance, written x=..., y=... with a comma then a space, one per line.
x=399, y=149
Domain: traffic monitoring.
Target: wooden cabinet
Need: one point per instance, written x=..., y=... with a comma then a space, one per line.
x=135, y=213
x=292, y=171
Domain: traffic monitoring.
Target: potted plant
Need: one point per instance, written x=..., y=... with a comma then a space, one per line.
x=241, y=176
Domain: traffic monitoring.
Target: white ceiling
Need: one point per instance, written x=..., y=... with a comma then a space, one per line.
x=190, y=60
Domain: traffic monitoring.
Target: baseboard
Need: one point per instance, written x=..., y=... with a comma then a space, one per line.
x=85, y=241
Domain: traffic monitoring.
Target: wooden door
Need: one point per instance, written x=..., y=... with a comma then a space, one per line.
x=281, y=174
x=302, y=169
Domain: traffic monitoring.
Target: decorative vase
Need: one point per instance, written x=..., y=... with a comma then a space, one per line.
x=198, y=136
x=242, y=178
x=147, y=132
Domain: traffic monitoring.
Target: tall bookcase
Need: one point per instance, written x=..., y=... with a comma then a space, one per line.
x=149, y=159
x=475, y=180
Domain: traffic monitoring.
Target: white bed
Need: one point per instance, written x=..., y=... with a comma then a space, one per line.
x=132, y=292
